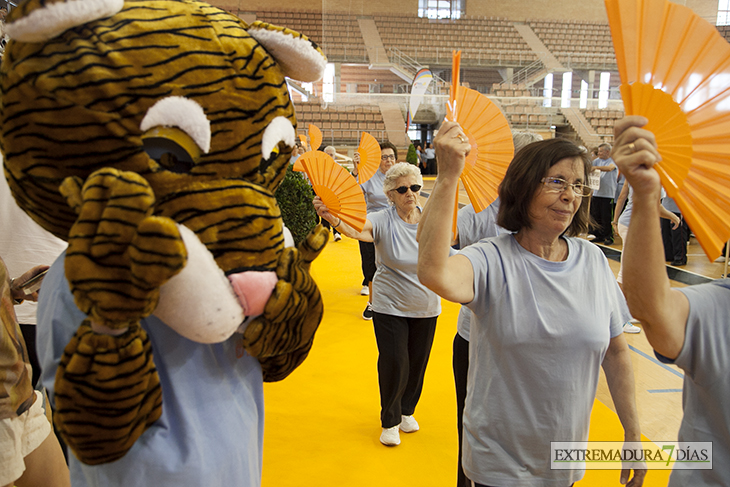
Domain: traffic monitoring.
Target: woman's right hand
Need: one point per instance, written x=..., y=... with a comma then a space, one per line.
x=452, y=147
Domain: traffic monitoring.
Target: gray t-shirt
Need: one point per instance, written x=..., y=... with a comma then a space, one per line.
x=473, y=227
x=705, y=360
x=375, y=198
x=539, y=335
x=396, y=288
x=608, y=180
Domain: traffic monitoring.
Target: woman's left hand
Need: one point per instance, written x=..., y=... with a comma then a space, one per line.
x=452, y=147
x=17, y=287
x=635, y=153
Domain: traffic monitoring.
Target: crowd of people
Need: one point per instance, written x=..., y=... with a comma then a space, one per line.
x=541, y=310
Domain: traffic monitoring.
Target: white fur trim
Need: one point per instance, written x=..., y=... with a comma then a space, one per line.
x=46, y=23
x=186, y=114
x=280, y=129
x=297, y=58
x=199, y=302
x=288, y=238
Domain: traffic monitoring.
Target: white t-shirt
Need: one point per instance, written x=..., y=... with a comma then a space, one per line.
x=24, y=245
x=396, y=288
x=372, y=189
x=539, y=335
x=473, y=227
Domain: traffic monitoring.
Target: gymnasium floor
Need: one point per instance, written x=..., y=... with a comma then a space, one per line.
x=322, y=422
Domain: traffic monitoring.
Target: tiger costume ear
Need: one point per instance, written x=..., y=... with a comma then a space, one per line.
x=299, y=58
x=42, y=20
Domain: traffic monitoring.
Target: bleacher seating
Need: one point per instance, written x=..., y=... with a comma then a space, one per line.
x=482, y=41
x=577, y=44
x=341, y=124
x=336, y=33
x=603, y=121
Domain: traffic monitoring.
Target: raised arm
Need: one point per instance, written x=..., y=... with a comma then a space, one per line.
x=663, y=311
x=450, y=277
x=367, y=232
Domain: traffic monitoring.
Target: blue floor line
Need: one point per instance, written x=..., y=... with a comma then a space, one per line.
x=660, y=391
x=653, y=359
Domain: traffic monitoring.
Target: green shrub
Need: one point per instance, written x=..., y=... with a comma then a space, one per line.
x=295, y=201
x=412, y=155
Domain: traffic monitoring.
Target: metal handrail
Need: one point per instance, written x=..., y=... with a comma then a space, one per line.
x=525, y=73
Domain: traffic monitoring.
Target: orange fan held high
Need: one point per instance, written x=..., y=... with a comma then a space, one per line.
x=369, y=150
x=490, y=137
x=338, y=190
x=673, y=67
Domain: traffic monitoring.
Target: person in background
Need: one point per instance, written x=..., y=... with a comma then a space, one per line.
x=30, y=455
x=24, y=244
x=376, y=200
x=472, y=227
x=430, y=154
x=421, y=158
x=621, y=219
x=332, y=152
x=674, y=238
x=601, y=203
x=686, y=326
x=547, y=314
x=296, y=152
x=404, y=311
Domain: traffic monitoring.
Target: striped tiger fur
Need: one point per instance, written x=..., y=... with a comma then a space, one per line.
x=71, y=111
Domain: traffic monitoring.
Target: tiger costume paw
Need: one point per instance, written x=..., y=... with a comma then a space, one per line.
x=283, y=335
x=107, y=388
x=118, y=254
x=107, y=393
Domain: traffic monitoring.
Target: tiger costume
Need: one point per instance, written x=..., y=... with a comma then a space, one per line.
x=151, y=135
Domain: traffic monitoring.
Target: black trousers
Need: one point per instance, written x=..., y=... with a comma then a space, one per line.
x=460, y=364
x=675, y=241
x=367, y=261
x=404, y=345
x=28, y=332
x=601, y=213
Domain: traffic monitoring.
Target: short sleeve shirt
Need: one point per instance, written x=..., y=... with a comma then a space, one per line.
x=705, y=360
x=396, y=288
x=372, y=189
x=608, y=179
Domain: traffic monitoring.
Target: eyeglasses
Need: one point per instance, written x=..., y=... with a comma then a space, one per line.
x=414, y=188
x=558, y=185
x=385, y=157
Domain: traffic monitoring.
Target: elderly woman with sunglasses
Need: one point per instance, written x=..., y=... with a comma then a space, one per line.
x=405, y=311
x=546, y=314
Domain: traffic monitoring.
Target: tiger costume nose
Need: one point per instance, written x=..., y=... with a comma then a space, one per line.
x=253, y=290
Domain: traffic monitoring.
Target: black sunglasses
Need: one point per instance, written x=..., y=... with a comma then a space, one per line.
x=414, y=187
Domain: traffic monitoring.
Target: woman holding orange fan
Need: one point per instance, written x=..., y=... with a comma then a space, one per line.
x=547, y=314
x=405, y=311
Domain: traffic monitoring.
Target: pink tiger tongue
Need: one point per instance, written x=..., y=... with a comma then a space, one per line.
x=253, y=289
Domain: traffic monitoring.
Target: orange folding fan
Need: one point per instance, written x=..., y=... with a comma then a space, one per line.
x=369, y=151
x=491, y=146
x=675, y=71
x=339, y=191
x=315, y=137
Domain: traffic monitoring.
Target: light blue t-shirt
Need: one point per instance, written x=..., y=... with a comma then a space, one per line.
x=473, y=227
x=211, y=429
x=396, y=288
x=608, y=179
x=375, y=198
x=539, y=335
x=705, y=360
x=670, y=205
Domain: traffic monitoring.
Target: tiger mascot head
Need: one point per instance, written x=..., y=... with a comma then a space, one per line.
x=151, y=135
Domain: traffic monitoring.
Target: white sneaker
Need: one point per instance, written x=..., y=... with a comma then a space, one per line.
x=390, y=436
x=720, y=259
x=338, y=237
x=631, y=328
x=364, y=291
x=408, y=424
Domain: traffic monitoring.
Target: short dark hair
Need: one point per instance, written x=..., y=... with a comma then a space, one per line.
x=389, y=145
x=524, y=177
